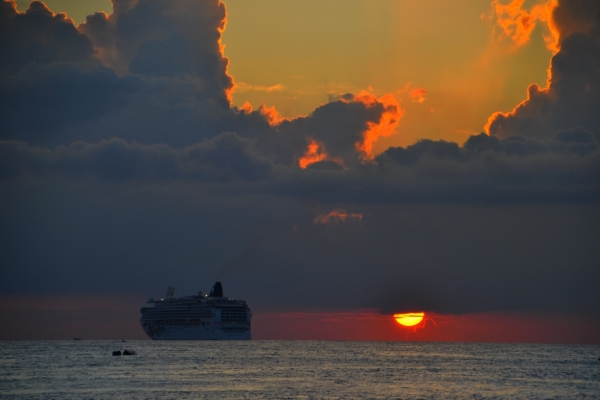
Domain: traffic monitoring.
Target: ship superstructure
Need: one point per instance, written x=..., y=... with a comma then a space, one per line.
x=200, y=317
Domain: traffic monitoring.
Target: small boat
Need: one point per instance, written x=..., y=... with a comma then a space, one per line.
x=129, y=353
x=116, y=353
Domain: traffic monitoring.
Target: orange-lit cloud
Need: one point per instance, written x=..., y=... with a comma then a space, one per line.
x=245, y=87
x=545, y=110
x=532, y=91
x=417, y=95
x=271, y=114
x=315, y=152
x=336, y=216
x=385, y=127
x=221, y=28
x=246, y=107
x=518, y=23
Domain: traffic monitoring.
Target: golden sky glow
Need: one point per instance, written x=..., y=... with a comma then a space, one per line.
x=312, y=51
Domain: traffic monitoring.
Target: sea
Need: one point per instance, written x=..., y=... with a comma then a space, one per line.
x=296, y=370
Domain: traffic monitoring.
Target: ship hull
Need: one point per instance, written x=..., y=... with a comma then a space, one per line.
x=166, y=332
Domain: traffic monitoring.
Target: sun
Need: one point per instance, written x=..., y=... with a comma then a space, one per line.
x=409, y=319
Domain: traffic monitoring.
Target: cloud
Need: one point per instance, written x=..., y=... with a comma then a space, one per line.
x=575, y=16
x=139, y=73
x=336, y=216
x=485, y=170
x=223, y=158
x=41, y=99
x=158, y=75
x=39, y=36
x=341, y=129
x=314, y=153
x=573, y=92
x=153, y=38
x=386, y=126
x=417, y=95
x=518, y=23
x=245, y=87
x=431, y=257
x=316, y=156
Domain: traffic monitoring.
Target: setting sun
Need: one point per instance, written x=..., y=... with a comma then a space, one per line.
x=409, y=319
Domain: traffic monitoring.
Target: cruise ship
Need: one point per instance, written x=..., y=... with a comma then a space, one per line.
x=200, y=317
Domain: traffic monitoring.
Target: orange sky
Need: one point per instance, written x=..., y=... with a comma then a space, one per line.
x=450, y=66
x=484, y=327
x=116, y=316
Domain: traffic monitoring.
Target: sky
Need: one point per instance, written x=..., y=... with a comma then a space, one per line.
x=332, y=163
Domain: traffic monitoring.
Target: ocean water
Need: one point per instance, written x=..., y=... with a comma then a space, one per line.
x=296, y=370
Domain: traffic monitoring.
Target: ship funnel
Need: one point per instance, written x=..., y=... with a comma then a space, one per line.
x=170, y=292
x=217, y=290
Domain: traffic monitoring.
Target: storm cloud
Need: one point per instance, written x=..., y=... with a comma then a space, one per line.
x=124, y=167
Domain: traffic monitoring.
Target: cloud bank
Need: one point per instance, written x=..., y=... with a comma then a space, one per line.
x=124, y=166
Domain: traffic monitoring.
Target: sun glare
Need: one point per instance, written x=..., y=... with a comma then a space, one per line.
x=409, y=319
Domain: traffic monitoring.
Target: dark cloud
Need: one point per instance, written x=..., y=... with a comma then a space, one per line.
x=163, y=80
x=577, y=135
x=155, y=38
x=41, y=99
x=224, y=158
x=338, y=125
x=446, y=258
x=490, y=170
x=97, y=28
x=485, y=170
x=39, y=36
x=573, y=16
x=162, y=58
x=572, y=97
x=123, y=167
x=438, y=257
